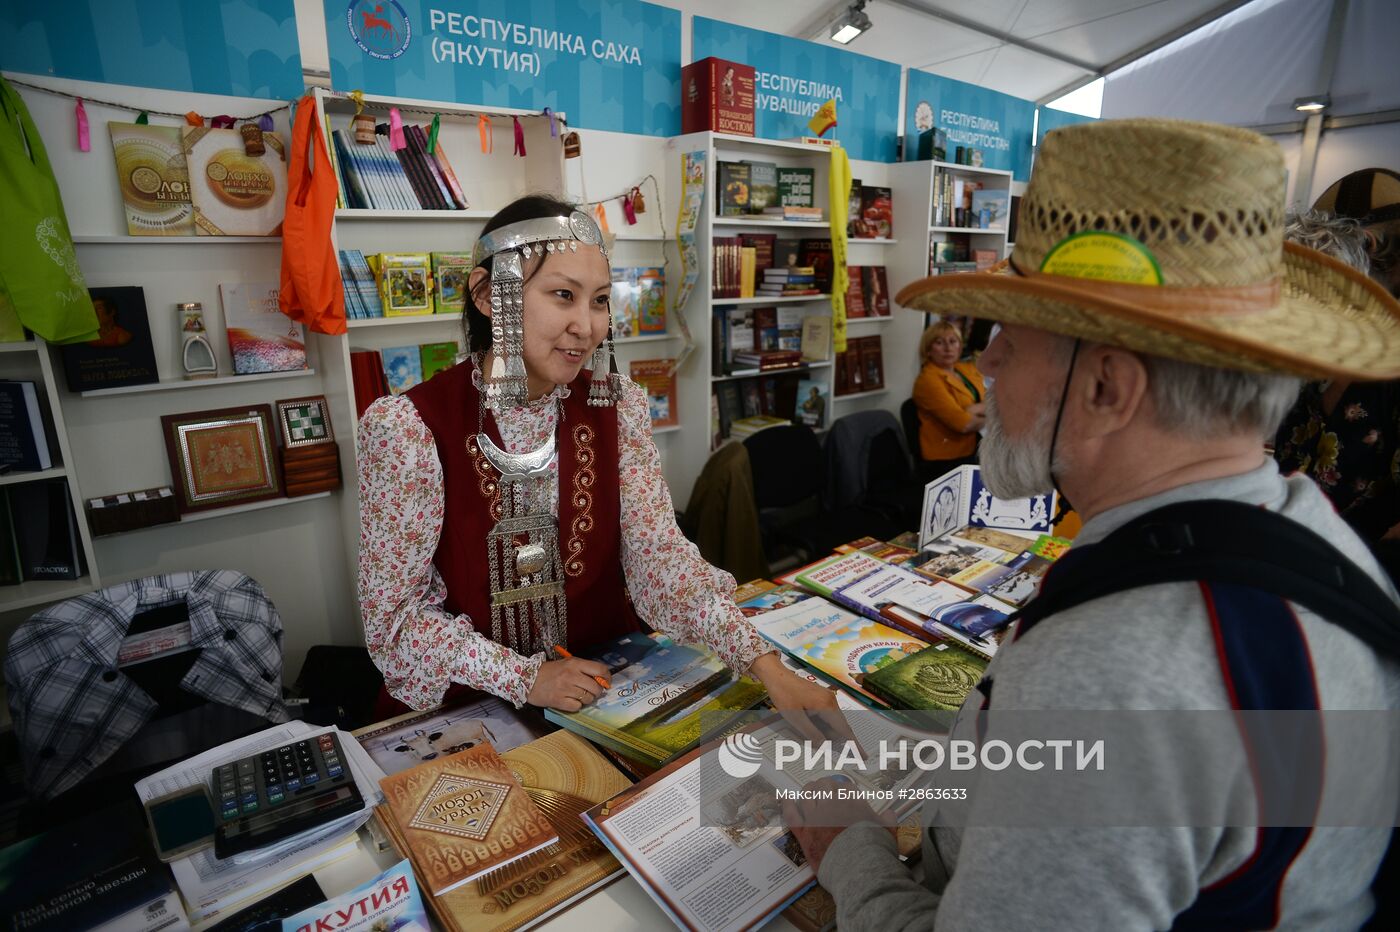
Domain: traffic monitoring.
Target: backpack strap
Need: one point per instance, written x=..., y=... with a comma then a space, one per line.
x=1223, y=542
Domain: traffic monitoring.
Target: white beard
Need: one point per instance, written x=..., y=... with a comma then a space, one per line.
x=1018, y=468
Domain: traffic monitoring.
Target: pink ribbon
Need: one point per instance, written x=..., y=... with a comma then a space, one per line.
x=628, y=212
x=84, y=139
x=396, y=140
x=519, y=137
x=221, y=122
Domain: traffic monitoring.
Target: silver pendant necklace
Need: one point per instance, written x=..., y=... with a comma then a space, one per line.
x=528, y=606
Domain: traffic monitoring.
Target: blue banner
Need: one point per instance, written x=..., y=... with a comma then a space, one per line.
x=794, y=78
x=608, y=64
x=972, y=117
x=240, y=48
x=1054, y=119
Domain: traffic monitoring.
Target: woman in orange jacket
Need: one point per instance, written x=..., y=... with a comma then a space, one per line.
x=949, y=395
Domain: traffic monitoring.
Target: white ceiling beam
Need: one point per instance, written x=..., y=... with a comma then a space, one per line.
x=1006, y=38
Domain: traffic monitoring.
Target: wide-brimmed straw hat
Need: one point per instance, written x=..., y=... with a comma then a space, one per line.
x=1166, y=237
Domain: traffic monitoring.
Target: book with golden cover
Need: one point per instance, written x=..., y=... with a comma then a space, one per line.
x=462, y=816
x=153, y=179
x=564, y=775
x=235, y=194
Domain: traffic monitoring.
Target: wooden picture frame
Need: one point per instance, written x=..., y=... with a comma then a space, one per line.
x=222, y=457
x=304, y=422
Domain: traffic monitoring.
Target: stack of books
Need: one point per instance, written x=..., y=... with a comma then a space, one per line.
x=374, y=176
x=789, y=282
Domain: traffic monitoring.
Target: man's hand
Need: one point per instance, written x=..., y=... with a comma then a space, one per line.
x=567, y=685
x=815, y=823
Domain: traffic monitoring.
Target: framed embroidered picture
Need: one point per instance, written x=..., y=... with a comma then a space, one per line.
x=304, y=422
x=221, y=458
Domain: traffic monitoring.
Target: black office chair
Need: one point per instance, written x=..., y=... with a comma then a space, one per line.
x=909, y=418
x=789, y=479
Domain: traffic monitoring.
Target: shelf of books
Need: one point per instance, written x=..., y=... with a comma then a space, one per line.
x=764, y=246
x=46, y=549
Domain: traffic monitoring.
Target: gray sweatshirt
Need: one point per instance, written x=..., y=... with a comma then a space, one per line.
x=1150, y=648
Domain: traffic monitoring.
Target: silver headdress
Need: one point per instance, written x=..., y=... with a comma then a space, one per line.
x=508, y=247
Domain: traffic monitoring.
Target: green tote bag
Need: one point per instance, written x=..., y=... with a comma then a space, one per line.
x=37, y=264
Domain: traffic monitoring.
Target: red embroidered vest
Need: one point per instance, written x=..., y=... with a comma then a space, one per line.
x=590, y=527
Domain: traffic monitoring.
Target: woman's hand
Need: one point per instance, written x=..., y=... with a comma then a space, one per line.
x=567, y=685
x=978, y=413
x=787, y=690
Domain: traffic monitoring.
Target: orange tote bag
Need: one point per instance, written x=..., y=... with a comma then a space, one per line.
x=311, y=286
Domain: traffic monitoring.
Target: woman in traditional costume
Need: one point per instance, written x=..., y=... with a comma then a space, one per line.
x=514, y=503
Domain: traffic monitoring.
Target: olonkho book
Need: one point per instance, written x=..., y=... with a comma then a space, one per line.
x=656, y=705
x=464, y=815
x=153, y=178
x=388, y=903
x=234, y=193
x=260, y=337
x=564, y=775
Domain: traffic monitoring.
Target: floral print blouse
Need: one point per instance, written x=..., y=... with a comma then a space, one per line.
x=421, y=648
x=1353, y=453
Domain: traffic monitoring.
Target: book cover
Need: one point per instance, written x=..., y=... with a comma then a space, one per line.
x=436, y=357
x=826, y=576
x=623, y=302
x=407, y=740
x=875, y=290
x=11, y=568
x=23, y=444
x=815, y=342
x=565, y=776
x=80, y=876
x=403, y=367
x=464, y=815
x=122, y=353
x=659, y=381
x=260, y=337
x=990, y=208
x=233, y=193
x=763, y=186
x=795, y=186
x=450, y=273
x=755, y=601
x=937, y=678
x=46, y=530
x=817, y=254
x=405, y=283
x=717, y=95
x=959, y=498
x=872, y=363
x=853, y=651
x=812, y=403
x=153, y=178
x=855, y=293
x=733, y=192
x=876, y=212
x=266, y=914
x=389, y=901
x=661, y=704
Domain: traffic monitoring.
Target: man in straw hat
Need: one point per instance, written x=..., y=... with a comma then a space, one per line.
x=1154, y=329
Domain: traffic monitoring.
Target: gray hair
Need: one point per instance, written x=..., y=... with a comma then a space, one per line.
x=1339, y=237
x=1203, y=402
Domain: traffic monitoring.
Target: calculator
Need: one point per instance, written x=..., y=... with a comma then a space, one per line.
x=275, y=794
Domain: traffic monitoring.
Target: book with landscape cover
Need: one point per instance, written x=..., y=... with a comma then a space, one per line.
x=122, y=353
x=462, y=816
x=657, y=704
x=937, y=678
x=656, y=377
x=403, y=367
x=564, y=775
x=260, y=337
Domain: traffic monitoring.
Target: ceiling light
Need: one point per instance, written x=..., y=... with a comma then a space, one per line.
x=1313, y=103
x=850, y=24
